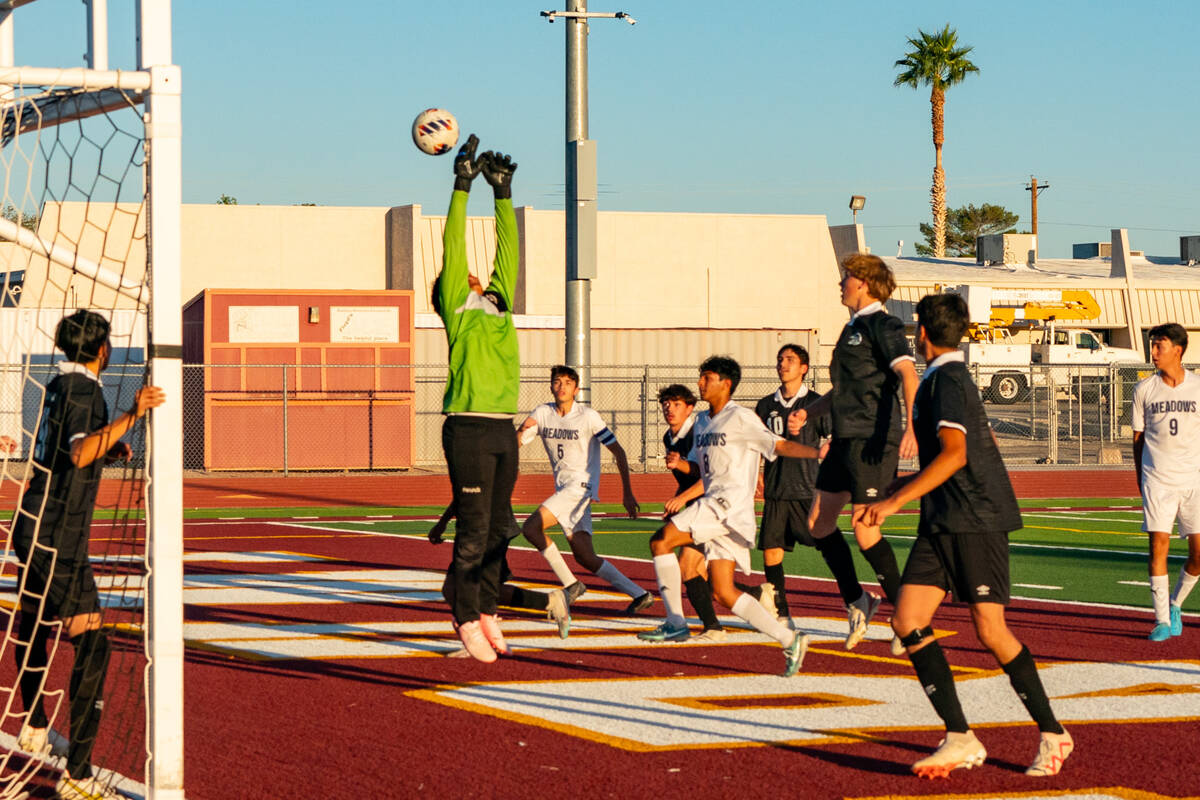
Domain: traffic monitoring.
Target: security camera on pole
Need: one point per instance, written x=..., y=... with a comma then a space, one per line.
x=581, y=192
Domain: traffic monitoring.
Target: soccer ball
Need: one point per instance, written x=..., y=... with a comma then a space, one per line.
x=435, y=131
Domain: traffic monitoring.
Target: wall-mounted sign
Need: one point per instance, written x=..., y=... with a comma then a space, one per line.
x=364, y=324
x=263, y=324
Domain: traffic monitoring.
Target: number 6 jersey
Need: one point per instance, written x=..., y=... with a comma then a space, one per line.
x=1170, y=419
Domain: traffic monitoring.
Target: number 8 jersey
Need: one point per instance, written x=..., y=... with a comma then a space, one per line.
x=573, y=444
x=1170, y=419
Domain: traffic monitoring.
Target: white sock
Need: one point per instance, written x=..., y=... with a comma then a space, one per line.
x=670, y=586
x=752, y=611
x=1183, y=586
x=1158, y=593
x=618, y=581
x=556, y=562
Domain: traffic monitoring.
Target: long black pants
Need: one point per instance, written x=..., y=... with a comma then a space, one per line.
x=481, y=455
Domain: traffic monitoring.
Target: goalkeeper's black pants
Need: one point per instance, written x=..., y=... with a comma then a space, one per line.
x=481, y=455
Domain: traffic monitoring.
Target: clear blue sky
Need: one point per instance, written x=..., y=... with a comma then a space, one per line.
x=771, y=107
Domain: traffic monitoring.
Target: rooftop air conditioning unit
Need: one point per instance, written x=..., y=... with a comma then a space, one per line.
x=1189, y=250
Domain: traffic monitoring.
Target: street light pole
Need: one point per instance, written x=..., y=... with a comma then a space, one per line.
x=581, y=192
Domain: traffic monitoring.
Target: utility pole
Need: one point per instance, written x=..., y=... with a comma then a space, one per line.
x=581, y=192
x=1034, y=190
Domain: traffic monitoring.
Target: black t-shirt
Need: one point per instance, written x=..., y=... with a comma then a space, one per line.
x=683, y=446
x=864, y=384
x=792, y=478
x=979, y=497
x=61, y=494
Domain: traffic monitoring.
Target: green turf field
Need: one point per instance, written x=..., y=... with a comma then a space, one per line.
x=1089, y=550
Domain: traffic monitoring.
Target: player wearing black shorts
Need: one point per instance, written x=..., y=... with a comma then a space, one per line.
x=677, y=403
x=789, y=483
x=554, y=602
x=967, y=511
x=870, y=362
x=50, y=537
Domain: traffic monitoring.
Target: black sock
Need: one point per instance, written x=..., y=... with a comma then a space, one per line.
x=753, y=591
x=883, y=561
x=28, y=630
x=836, y=552
x=1023, y=675
x=774, y=573
x=700, y=596
x=525, y=598
x=87, y=699
x=938, y=682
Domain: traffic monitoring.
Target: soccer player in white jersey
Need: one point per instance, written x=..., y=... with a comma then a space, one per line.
x=1166, y=429
x=572, y=434
x=729, y=440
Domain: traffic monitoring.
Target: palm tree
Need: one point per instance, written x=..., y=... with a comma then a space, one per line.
x=936, y=60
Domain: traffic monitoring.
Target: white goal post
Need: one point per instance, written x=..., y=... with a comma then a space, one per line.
x=93, y=90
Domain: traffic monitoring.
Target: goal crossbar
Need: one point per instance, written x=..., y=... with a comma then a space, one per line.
x=29, y=114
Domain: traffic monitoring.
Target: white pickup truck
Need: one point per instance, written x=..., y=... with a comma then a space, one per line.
x=1005, y=370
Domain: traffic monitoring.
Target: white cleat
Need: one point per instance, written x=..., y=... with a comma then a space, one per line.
x=957, y=750
x=1053, y=750
x=859, y=614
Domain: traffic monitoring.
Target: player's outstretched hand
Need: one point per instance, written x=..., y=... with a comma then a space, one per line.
x=908, y=443
x=498, y=170
x=796, y=420
x=631, y=505
x=8, y=444
x=466, y=166
x=673, y=460
x=147, y=397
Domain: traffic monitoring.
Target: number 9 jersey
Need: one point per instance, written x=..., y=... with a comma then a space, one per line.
x=1169, y=416
x=573, y=444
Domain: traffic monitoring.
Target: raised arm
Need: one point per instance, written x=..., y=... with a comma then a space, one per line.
x=498, y=171
x=452, y=284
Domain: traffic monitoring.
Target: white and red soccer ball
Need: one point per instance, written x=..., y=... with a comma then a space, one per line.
x=435, y=131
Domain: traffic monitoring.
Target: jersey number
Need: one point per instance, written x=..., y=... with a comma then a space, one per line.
x=1174, y=425
x=560, y=450
x=777, y=425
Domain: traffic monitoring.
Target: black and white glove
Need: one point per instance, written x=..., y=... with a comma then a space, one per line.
x=498, y=170
x=466, y=167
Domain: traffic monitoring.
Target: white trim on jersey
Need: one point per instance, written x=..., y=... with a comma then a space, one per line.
x=945, y=424
x=931, y=367
x=867, y=310
x=791, y=401
x=683, y=429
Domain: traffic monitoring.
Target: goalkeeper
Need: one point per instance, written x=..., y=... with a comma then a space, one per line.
x=480, y=400
x=50, y=536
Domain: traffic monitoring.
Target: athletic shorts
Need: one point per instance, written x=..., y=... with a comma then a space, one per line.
x=784, y=524
x=973, y=567
x=862, y=467
x=69, y=588
x=572, y=507
x=1162, y=505
x=709, y=531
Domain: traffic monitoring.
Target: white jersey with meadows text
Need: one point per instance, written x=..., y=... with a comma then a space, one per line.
x=573, y=444
x=728, y=447
x=1169, y=416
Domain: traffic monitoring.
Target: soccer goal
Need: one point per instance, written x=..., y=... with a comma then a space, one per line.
x=90, y=219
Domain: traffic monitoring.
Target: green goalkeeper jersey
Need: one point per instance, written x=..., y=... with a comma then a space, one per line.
x=484, y=362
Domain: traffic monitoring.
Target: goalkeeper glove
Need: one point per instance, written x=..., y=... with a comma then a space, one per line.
x=498, y=170
x=466, y=167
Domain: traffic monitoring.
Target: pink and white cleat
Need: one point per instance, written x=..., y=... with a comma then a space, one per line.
x=476, y=642
x=491, y=630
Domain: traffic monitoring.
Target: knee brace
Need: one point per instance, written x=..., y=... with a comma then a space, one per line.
x=917, y=636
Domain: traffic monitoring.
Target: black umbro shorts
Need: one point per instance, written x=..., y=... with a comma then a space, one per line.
x=862, y=467
x=69, y=588
x=784, y=524
x=973, y=567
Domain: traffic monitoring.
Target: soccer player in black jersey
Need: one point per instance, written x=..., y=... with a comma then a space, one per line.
x=789, y=483
x=967, y=511
x=677, y=403
x=50, y=537
x=870, y=362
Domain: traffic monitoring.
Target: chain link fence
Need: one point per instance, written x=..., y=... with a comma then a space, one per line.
x=1063, y=415
x=390, y=416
